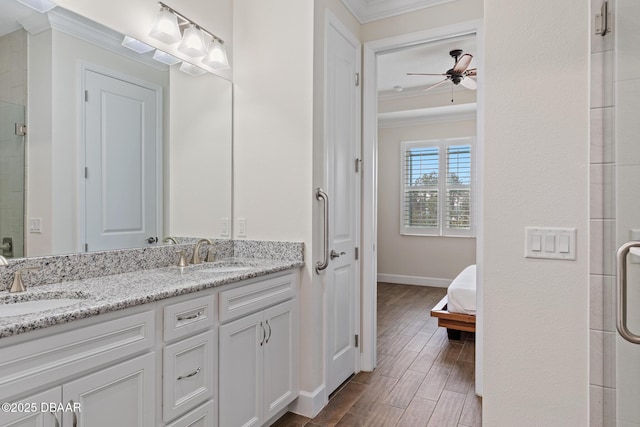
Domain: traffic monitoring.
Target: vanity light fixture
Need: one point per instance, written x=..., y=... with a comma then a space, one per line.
x=41, y=6
x=192, y=43
x=193, y=40
x=166, y=27
x=136, y=45
x=216, y=55
x=165, y=57
x=191, y=69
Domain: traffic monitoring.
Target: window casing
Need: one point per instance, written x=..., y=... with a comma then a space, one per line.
x=437, y=186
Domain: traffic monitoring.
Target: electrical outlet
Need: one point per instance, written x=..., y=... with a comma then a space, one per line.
x=224, y=227
x=35, y=225
x=242, y=227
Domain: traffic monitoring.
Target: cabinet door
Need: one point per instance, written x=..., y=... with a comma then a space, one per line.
x=280, y=356
x=240, y=373
x=33, y=417
x=122, y=395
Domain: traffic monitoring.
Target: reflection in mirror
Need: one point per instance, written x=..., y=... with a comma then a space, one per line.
x=121, y=150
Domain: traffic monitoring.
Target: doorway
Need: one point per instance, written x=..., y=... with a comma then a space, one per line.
x=372, y=179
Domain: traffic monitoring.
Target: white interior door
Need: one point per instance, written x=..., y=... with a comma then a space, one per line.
x=627, y=212
x=121, y=175
x=342, y=142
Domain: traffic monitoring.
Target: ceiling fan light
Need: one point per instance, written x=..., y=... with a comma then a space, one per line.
x=216, y=56
x=192, y=43
x=191, y=69
x=41, y=6
x=166, y=27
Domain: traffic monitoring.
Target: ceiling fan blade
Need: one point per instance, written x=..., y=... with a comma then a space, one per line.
x=469, y=83
x=425, y=74
x=435, y=85
x=463, y=63
x=471, y=72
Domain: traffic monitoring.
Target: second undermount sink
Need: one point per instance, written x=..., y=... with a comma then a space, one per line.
x=225, y=269
x=27, y=303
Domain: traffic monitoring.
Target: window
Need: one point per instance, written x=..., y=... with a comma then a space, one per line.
x=437, y=187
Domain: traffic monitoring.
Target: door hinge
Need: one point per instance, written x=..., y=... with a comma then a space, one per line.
x=357, y=253
x=357, y=79
x=603, y=21
x=357, y=340
x=86, y=172
x=21, y=129
x=86, y=96
x=86, y=247
x=358, y=162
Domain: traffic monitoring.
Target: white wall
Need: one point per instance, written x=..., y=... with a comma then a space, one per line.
x=273, y=152
x=200, y=155
x=535, y=173
x=427, y=260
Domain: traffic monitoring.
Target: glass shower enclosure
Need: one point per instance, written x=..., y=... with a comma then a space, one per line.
x=12, y=180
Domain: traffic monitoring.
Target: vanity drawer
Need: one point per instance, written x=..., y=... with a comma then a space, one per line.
x=250, y=298
x=189, y=376
x=203, y=416
x=37, y=362
x=187, y=317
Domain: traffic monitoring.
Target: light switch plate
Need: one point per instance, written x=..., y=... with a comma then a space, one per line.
x=242, y=227
x=35, y=225
x=224, y=227
x=550, y=243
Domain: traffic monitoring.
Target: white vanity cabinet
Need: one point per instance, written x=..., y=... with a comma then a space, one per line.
x=96, y=369
x=258, y=351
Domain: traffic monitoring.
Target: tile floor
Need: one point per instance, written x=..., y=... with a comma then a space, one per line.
x=422, y=378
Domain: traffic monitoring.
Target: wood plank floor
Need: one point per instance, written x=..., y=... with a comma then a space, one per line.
x=423, y=379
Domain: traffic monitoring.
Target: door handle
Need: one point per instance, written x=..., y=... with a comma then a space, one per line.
x=621, y=292
x=321, y=195
x=334, y=254
x=152, y=240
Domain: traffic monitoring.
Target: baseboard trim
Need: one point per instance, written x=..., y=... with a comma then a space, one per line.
x=309, y=404
x=414, y=280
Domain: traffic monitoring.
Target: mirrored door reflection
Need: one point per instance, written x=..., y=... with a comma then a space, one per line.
x=12, y=164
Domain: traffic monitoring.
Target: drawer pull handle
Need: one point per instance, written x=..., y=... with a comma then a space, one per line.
x=75, y=417
x=56, y=419
x=269, y=337
x=264, y=334
x=191, y=317
x=196, y=372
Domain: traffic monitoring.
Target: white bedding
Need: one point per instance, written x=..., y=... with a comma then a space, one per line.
x=461, y=294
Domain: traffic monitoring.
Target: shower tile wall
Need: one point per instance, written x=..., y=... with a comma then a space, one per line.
x=602, y=378
x=13, y=99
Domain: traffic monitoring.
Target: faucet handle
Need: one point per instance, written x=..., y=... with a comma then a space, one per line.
x=182, y=260
x=18, y=284
x=211, y=254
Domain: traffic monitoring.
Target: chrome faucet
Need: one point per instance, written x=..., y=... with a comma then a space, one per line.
x=170, y=239
x=196, y=251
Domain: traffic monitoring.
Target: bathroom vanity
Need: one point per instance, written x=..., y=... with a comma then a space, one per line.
x=207, y=345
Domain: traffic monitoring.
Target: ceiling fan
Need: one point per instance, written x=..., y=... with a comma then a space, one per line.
x=459, y=74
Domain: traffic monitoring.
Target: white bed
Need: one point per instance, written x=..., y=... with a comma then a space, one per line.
x=461, y=294
x=457, y=310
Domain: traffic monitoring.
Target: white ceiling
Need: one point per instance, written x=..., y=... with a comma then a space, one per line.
x=371, y=10
x=425, y=58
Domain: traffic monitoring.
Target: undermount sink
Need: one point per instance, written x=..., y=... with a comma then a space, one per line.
x=225, y=269
x=26, y=303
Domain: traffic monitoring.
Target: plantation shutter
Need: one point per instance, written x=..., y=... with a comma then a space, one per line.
x=457, y=209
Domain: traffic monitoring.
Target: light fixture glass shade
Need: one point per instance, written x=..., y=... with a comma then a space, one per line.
x=165, y=58
x=41, y=6
x=216, y=56
x=192, y=43
x=136, y=45
x=166, y=27
x=191, y=69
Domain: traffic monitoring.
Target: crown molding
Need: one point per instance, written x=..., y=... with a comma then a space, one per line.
x=84, y=29
x=372, y=10
x=449, y=113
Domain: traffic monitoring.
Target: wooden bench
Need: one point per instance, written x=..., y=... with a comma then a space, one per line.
x=454, y=322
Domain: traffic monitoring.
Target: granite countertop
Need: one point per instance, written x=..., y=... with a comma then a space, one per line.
x=119, y=291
